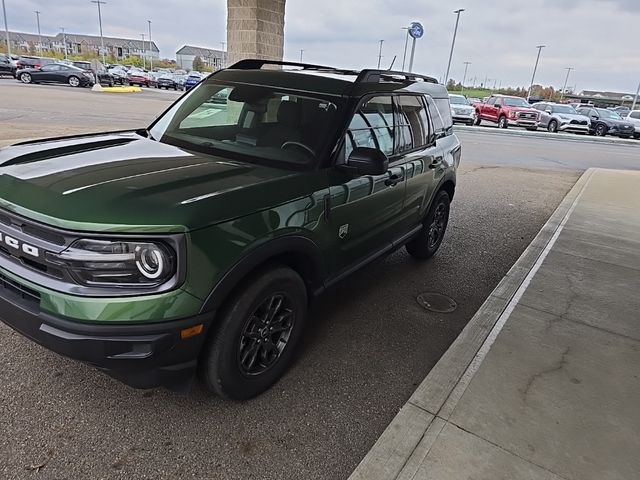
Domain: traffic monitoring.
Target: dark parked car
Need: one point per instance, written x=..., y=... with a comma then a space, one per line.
x=33, y=62
x=198, y=243
x=607, y=122
x=101, y=75
x=56, y=73
x=119, y=75
x=167, y=80
x=7, y=66
x=192, y=80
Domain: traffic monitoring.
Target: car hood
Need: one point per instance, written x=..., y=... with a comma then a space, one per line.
x=462, y=107
x=521, y=109
x=572, y=116
x=124, y=182
x=617, y=123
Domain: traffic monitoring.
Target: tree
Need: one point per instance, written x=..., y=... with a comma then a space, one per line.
x=198, y=64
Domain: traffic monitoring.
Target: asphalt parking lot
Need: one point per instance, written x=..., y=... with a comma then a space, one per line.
x=368, y=346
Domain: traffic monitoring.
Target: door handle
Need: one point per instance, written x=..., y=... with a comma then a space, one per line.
x=393, y=180
x=436, y=163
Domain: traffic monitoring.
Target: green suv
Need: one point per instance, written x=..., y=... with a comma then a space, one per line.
x=197, y=244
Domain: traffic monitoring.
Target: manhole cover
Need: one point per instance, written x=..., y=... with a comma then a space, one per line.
x=437, y=302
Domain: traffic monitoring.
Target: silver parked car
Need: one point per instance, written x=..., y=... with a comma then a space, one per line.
x=461, y=110
x=558, y=117
x=634, y=117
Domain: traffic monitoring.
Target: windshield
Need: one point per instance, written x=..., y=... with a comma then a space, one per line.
x=564, y=109
x=258, y=124
x=516, y=102
x=604, y=113
x=458, y=100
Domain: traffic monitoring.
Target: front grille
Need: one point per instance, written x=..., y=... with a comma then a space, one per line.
x=22, y=291
x=528, y=116
x=578, y=122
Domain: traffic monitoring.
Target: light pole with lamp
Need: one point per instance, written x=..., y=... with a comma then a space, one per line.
x=566, y=79
x=380, y=53
x=453, y=43
x=535, y=69
x=6, y=29
x=144, y=59
x=100, y=2
x=39, y=36
x=150, y=47
x=464, y=78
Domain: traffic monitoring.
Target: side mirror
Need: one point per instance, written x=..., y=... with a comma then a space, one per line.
x=595, y=117
x=548, y=110
x=368, y=161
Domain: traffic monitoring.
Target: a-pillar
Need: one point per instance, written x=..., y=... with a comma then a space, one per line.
x=255, y=29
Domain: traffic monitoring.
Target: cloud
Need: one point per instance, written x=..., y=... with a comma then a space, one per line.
x=596, y=37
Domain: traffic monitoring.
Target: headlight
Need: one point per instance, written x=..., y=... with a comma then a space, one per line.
x=105, y=263
x=513, y=114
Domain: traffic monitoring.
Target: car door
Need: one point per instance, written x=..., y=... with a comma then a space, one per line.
x=495, y=109
x=420, y=123
x=365, y=210
x=543, y=115
x=47, y=73
x=5, y=65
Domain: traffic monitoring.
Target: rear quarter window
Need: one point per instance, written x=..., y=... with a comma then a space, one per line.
x=440, y=110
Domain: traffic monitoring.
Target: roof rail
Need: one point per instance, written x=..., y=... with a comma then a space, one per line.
x=375, y=76
x=256, y=64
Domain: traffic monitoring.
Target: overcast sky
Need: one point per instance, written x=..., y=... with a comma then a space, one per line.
x=599, y=38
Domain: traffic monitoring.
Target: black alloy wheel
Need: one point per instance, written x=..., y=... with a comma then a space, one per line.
x=601, y=130
x=427, y=242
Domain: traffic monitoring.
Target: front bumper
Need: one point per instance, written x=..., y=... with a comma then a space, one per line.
x=140, y=355
x=525, y=123
x=573, y=128
x=464, y=117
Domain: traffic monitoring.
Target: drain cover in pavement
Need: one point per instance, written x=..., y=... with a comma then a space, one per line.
x=437, y=302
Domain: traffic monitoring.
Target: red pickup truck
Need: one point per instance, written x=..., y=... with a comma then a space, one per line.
x=507, y=111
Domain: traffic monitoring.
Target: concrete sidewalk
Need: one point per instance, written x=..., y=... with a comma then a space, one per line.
x=544, y=382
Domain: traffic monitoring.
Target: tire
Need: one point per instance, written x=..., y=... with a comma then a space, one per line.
x=503, y=122
x=478, y=119
x=553, y=126
x=25, y=78
x=222, y=368
x=426, y=244
x=73, y=81
x=601, y=130
x=471, y=123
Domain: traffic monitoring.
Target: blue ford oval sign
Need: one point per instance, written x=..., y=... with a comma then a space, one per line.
x=416, y=30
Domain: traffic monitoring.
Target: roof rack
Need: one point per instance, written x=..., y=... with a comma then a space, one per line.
x=375, y=76
x=364, y=76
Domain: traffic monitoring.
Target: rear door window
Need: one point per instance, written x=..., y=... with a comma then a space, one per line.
x=372, y=126
x=412, y=130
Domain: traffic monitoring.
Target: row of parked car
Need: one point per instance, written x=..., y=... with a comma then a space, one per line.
x=508, y=111
x=31, y=69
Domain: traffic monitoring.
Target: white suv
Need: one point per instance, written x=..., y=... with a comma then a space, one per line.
x=634, y=117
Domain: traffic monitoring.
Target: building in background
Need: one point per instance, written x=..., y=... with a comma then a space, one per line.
x=214, y=59
x=76, y=44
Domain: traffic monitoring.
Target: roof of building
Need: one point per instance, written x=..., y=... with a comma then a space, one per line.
x=200, y=52
x=85, y=39
x=597, y=94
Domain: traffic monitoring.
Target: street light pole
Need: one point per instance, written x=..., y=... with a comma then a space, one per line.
x=564, y=87
x=224, y=55
x=406, y=44
x=635, y=99
x=453, y=43
x=464, y=79
x=380, y=54
x=535, y=69
x=6, y=28
x=100, y=2
x=64, y=42
x=150, y=47
x=39, y=36
x=144, y=59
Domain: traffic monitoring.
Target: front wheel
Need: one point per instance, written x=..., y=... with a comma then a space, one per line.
x=553, y=126
x=25, y=78
x=503, y=122
x=601, y=130
x=426, y=244
x=257, y=334
x=74, y=81
x=478, y=119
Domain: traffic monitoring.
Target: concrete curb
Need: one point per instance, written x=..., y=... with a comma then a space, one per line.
x=565, y=137
x=406, y=441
